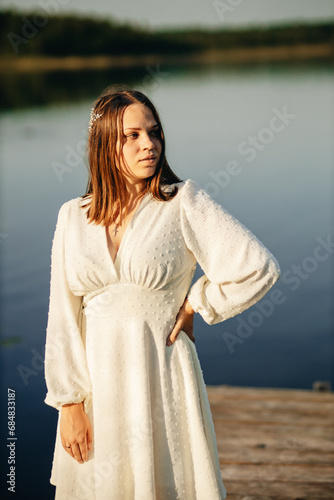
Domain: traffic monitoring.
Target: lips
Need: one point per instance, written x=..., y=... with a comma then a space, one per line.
x=149, y=158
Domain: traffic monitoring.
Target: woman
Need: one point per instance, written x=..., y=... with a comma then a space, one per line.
x=121, y=364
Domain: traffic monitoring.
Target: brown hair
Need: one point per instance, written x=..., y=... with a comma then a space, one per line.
x=106, y=184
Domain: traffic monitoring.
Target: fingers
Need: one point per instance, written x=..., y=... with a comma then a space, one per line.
x=177, y=327
x=169, y=341
x=183, y=324
x=69, y=451
x=75, y=432
x=184, y=321
x=89, y=437
x=68, y=448
x=174, y=334
x=78, y=451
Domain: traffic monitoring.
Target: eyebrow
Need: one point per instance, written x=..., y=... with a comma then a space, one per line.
x=136, y=128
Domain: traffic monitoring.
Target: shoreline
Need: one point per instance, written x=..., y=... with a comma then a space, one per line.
x=301, y=52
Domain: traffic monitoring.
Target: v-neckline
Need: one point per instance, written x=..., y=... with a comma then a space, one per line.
x=125, y=232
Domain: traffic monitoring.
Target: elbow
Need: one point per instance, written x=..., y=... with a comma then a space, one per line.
x=269, y=273
x=276, y=270
x=273, y=271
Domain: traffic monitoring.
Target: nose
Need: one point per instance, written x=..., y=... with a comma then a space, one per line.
x=147, y=142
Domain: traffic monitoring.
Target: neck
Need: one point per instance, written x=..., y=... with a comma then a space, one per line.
x=134, y=189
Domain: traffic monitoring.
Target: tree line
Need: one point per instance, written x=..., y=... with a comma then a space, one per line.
x=37, y=35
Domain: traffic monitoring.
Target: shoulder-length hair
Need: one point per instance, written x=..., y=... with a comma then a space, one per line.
x=106, y=185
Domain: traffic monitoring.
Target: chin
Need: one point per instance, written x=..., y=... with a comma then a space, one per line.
x=148, y=172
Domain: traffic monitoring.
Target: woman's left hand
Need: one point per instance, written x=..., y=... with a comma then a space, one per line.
x=184, y=321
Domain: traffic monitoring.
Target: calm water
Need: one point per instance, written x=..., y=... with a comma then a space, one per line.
x=274, y=124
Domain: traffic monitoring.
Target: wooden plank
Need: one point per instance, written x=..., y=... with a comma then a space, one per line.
x=309, y=407
x=258, y=393
x=316, y=437
x=272, y=419
x=259, y=456
x=257, y=490
x=278, y=471
x=274, y=443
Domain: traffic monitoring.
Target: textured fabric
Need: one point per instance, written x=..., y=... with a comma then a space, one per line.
x=153, y=434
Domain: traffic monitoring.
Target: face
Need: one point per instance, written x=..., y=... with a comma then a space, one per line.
x=142, y=147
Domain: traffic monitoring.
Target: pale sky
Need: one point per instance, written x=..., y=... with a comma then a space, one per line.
x=203, y=13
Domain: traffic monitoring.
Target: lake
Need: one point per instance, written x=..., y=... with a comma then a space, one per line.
x=258, y=138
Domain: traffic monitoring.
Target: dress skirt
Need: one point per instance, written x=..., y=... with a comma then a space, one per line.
x=153, y=434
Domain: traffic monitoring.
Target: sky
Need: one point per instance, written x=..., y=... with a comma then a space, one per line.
x=179, y=13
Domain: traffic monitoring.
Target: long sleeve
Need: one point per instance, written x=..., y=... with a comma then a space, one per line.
x=66, y=372
x=238, y=269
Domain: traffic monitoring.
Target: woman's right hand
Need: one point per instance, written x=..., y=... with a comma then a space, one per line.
x=76, y=431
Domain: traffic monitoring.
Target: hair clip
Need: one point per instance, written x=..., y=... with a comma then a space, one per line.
x=93, y=117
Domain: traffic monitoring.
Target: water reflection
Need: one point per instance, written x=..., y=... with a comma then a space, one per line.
x=23, y=90
x=285, y=196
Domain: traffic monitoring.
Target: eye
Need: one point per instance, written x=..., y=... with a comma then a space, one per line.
x=132, y=135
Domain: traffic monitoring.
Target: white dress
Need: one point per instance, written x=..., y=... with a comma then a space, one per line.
x=153, y=434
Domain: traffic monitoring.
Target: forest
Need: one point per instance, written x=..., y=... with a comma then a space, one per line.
x=57, y=36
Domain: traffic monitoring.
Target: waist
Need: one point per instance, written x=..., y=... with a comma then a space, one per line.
x=127, y=299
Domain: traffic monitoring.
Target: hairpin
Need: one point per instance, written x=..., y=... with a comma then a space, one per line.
x=93, y=117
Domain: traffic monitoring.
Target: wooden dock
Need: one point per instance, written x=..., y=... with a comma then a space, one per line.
x=274, y=444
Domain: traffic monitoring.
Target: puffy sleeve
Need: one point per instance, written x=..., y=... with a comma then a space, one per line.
x=238, y=269
x=66, y=372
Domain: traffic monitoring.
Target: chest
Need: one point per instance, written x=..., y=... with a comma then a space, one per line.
x=149, y=250
x=114, y=238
